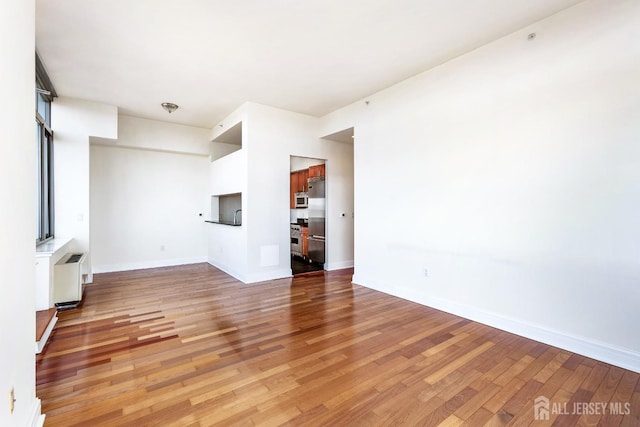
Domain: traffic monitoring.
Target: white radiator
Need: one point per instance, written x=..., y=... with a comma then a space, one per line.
x=67, y=278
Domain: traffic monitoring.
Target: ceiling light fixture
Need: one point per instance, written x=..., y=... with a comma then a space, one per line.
x=169, y=106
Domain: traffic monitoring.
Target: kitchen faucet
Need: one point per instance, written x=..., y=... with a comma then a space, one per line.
x=235, y=215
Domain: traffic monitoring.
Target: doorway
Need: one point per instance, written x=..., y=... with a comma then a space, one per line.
x=307, y=215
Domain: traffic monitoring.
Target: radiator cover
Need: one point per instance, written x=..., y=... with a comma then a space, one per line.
x=67, y=278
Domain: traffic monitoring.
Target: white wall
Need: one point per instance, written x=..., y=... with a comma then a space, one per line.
x=340, y=205
x=260, y=249
x=147, y=191
x=512, y=174
x=300, y=163
x=155, y=135
x=74, y=122
x=227, y=246
x=274, y=136
x=18, y=213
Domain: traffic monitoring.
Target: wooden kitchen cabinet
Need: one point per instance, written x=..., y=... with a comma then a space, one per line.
x=316, y=171
x=301, y=180
x=293, y=188
x=305, y=242
x=298, y=184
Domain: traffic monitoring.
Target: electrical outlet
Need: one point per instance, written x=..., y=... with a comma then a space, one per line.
x=162, y=247
x=426, y=272
x=12, y=400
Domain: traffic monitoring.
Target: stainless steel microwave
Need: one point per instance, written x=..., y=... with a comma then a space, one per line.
x=302, y=200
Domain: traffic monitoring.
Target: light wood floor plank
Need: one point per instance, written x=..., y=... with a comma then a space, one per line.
x=191, y=346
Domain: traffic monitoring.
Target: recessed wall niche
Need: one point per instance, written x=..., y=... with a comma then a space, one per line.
x=227, y=209
x=226, y=143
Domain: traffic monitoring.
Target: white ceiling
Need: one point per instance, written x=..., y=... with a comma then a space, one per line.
x=210, y=56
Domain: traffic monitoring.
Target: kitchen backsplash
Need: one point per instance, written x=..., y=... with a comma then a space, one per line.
x=296, y=214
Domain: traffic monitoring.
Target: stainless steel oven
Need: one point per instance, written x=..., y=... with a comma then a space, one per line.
x=296, y=239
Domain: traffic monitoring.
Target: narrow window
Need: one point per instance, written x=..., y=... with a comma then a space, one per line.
x=44, y=139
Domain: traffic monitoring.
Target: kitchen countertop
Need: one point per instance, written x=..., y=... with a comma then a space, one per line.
x=222, y=223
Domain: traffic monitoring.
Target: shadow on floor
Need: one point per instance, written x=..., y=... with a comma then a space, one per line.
x=300, y=266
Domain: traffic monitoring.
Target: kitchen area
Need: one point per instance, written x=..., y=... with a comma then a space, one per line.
x=307, y=215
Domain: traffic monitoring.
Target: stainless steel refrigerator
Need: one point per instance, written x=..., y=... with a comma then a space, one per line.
x=316, y=219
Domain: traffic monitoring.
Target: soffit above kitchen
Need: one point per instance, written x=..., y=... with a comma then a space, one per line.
x=210, y=56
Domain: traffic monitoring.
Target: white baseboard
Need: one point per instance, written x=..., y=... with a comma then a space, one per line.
x=37, y=417
x=146, y=264
x=230, y=271
x=269, y=275
x=254, y=277
x=340, y=265
x=601, y=351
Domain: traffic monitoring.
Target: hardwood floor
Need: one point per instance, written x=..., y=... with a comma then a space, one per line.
x=191, y=346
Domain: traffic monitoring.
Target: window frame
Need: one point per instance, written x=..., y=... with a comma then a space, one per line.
x=44, y=95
